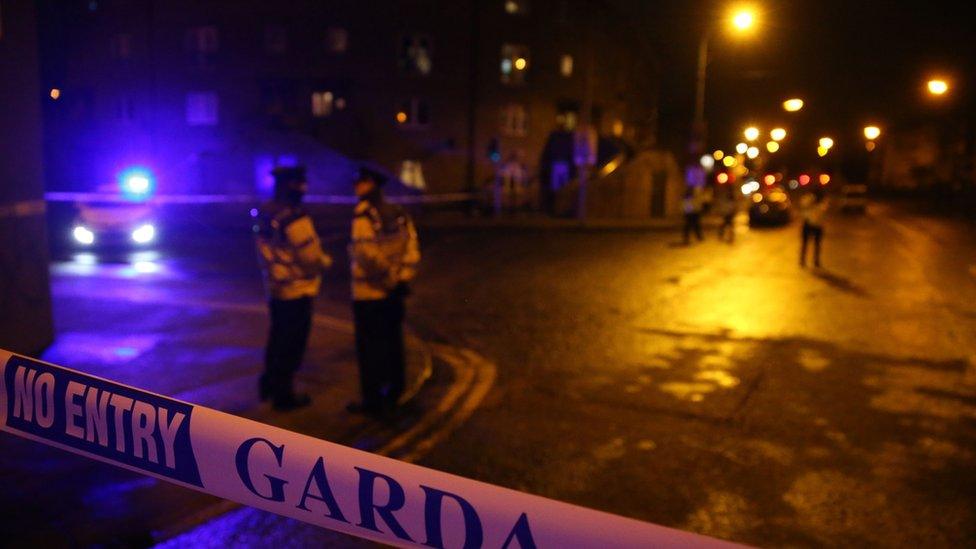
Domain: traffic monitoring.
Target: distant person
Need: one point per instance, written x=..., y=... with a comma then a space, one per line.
x=292, y=259
x=692, y=205
x=726, y=207
x=384, y=254
x=813, y=207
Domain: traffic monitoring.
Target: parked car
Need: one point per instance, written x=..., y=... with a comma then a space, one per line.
x=769, y=207
x=854, y=198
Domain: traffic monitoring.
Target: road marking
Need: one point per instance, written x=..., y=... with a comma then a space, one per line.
x=474, y=377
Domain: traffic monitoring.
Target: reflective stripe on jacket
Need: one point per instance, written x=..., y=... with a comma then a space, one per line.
x=383, y=250
x=289, y=251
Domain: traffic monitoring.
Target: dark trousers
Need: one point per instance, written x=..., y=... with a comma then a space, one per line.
x=728, y=224
x=692, y=223
x=811, y=232
x=379, y=349
x=291, y=321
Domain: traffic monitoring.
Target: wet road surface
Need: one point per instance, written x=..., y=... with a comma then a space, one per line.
x=714, y=388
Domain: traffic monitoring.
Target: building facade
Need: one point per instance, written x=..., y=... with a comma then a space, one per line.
x=443, y=94
x=25, y=297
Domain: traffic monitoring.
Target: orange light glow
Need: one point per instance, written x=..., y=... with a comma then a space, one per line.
x=824, y=179
x=722, y=178
x=401, y=117
x=769, y=179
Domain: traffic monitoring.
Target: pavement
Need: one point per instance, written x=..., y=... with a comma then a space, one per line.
x=148, y=324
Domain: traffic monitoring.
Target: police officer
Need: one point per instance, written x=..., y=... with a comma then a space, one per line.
x=384, y=254
x=292, y=259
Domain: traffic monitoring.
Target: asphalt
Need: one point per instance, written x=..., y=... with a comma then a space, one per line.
x=716, y=388
x=149, y=324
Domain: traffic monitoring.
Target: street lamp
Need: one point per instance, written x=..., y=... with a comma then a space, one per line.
x=751, y=133
x=872, y=132
x=741, y=148
x=938, y=86
x=742, y=19
x=752, y=152
x=793, y=105
x=778, y=134
x=826, y=142
x=772, y=146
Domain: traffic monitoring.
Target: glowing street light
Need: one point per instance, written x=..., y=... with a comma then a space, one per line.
x=729, y=161
x=772, y=146
x=751, y=133
x=937, y=86
x=741, y=148
x=752, y=152
x=793, y=105
x=718, y=155
x=872, y=132
x=743, y=19
x=822, y=151
x=520, y=64
x=778, y=134
x=826, y=143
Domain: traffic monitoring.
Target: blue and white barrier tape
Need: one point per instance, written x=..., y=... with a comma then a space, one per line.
x=294, y=475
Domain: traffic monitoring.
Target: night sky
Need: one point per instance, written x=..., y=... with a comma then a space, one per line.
x=852, y=62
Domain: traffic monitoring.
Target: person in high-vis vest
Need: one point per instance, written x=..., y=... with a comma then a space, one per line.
x=384, y=255
x=292, y=260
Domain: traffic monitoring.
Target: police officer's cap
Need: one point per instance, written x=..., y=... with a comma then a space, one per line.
x=369, y=174
x=285, y=175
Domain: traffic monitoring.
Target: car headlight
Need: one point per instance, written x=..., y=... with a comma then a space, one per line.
x=144, y=234
x=83, y=235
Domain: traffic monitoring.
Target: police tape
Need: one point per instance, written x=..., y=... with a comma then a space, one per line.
x=295, y=475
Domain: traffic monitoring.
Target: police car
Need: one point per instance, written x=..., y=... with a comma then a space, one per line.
x=118, y=217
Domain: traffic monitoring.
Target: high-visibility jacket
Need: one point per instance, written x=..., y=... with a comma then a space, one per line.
x=289, y=251
x=383, y=251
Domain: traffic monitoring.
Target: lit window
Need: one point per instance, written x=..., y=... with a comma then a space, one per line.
x=322, y=103
x=516, y=7
x=122, y=46
x=201, y=109
x=413, y=113
x=514, y=64
x=412, y=175
x=415, y=54
x=275, y=39
x=566, y=65
x=336, y=39
x=514, y=118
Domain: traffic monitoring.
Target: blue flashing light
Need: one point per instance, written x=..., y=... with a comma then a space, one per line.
x=137, y=184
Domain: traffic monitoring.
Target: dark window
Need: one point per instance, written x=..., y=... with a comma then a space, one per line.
x=122, y=46
x=125, y=110
x=336, y=40
x=416, y=54
x=202, y=44
x=514, y=120
x=275, y=39
x=413, y=113
x=202, y=109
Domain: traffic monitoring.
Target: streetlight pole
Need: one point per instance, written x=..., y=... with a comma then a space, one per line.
x=698, y=122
